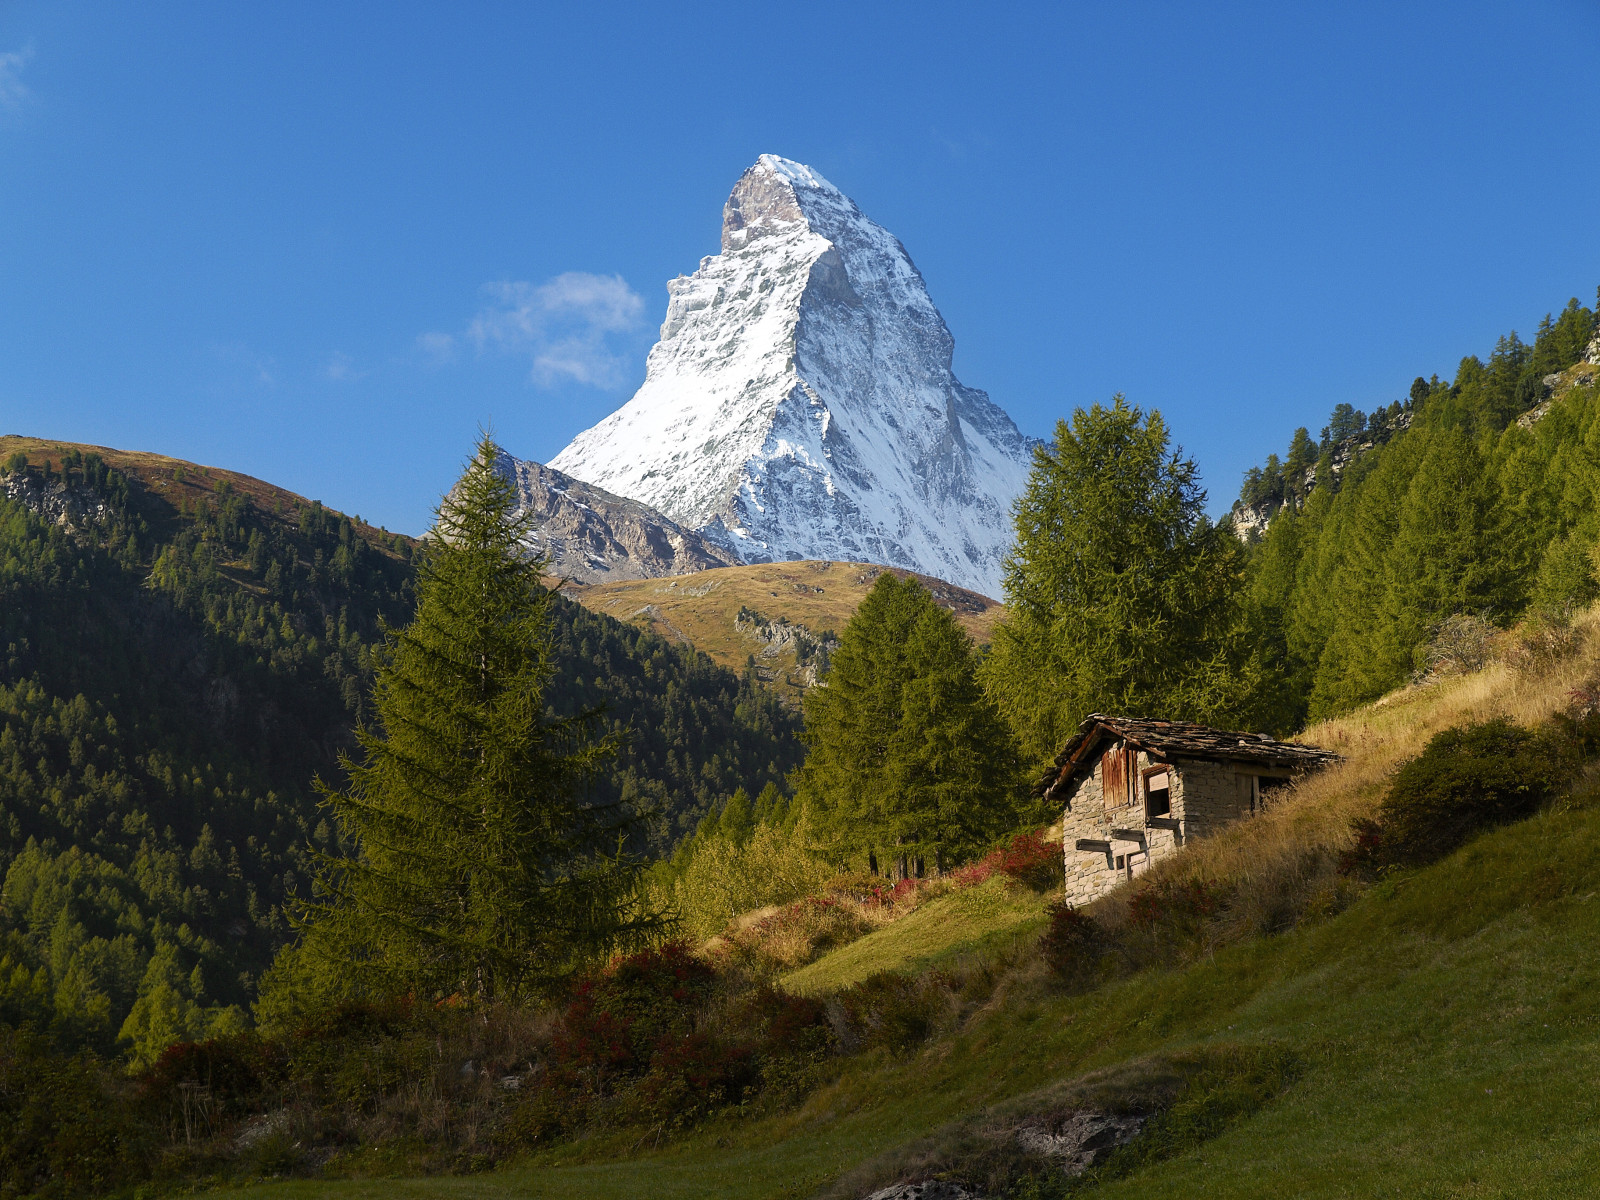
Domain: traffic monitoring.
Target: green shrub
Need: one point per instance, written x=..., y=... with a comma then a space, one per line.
x=64, y=1130
x=725, y=877
x=1468, y=779
x=690, y=1076
x=896, y=1012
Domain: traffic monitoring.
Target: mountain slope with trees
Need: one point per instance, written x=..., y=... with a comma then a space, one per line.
x=1479, y=499
x=184, y=651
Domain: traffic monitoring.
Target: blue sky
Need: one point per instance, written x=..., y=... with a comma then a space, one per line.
x=321, y=243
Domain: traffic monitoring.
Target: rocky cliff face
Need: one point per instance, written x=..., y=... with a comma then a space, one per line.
x=1250, y=521
x=800, y=403
x=593, y=536
x=71, y=508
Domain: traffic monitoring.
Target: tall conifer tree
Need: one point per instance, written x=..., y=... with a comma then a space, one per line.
x=1121, y=595
x=475, y=867
x=908, y=758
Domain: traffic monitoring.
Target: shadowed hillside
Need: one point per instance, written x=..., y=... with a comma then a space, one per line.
x=1430, y=1031
x=183, y=651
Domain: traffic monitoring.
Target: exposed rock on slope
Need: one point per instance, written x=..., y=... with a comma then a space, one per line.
x=1250, y=521
x=801, y=405
x=594, y=537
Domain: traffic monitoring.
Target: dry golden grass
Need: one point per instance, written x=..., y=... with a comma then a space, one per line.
x=1288, y=851
x=781, y=938
x=702, y=609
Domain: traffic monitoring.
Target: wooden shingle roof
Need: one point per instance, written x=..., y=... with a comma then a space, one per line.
x=1169, y=741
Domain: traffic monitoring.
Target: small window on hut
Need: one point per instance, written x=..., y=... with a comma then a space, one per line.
x=1157, y=794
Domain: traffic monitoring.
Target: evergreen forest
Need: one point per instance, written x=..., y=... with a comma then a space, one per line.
x=183, y=655
x=1473, y=500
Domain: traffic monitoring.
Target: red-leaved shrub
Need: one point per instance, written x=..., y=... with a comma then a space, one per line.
x=617, y=1016
x=1028, y=858
x=1187, y=903
x=692, y=1074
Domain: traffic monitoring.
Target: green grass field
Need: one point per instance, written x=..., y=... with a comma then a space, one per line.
x=1448, y=1025
x=971, y=921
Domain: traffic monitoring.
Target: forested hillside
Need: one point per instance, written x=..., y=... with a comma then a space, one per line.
x=184, y=650
x=1474, y=500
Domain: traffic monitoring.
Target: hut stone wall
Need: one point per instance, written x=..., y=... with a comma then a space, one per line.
x=1204, y=797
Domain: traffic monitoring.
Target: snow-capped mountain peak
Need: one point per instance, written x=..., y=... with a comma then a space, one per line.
x=800, y=402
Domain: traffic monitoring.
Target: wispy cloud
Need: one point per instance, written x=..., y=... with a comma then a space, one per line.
x=341, y=368
x=13, y=92
x=260, y=369
x=567, y=327
x=441, y=347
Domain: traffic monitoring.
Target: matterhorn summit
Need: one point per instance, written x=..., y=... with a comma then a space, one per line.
x=801, y=403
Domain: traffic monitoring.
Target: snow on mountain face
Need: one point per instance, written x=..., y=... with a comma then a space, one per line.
x=801, y=403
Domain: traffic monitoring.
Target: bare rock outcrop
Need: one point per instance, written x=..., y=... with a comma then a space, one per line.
x=776, y=637
x=593, y=536
x=1083, y=1139
x=932, y=1189
x=72, y=508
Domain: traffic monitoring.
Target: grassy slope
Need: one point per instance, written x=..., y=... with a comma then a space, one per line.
x=1449, y=1024
x=701, y=608
x=969, y=921
x=177, y=481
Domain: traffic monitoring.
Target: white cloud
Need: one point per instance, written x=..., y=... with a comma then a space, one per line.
x=441, y=347
x=564, y=326
x=342, y=368
x=12, y=90
x=261, y=369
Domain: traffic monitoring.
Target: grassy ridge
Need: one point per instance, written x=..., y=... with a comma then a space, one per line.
x=183, y=484
x=970, y=921
x=703, y=609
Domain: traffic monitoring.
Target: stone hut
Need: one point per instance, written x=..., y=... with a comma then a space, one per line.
x=1136, y=790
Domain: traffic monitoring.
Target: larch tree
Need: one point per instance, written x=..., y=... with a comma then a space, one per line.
x=910, y=763
x=1121, y=595
x=473, y=864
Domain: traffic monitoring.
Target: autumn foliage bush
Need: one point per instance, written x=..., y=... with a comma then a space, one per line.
x=1073, y=945
x=1029, y=858
x=1184, y=903
x=660, y=1038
